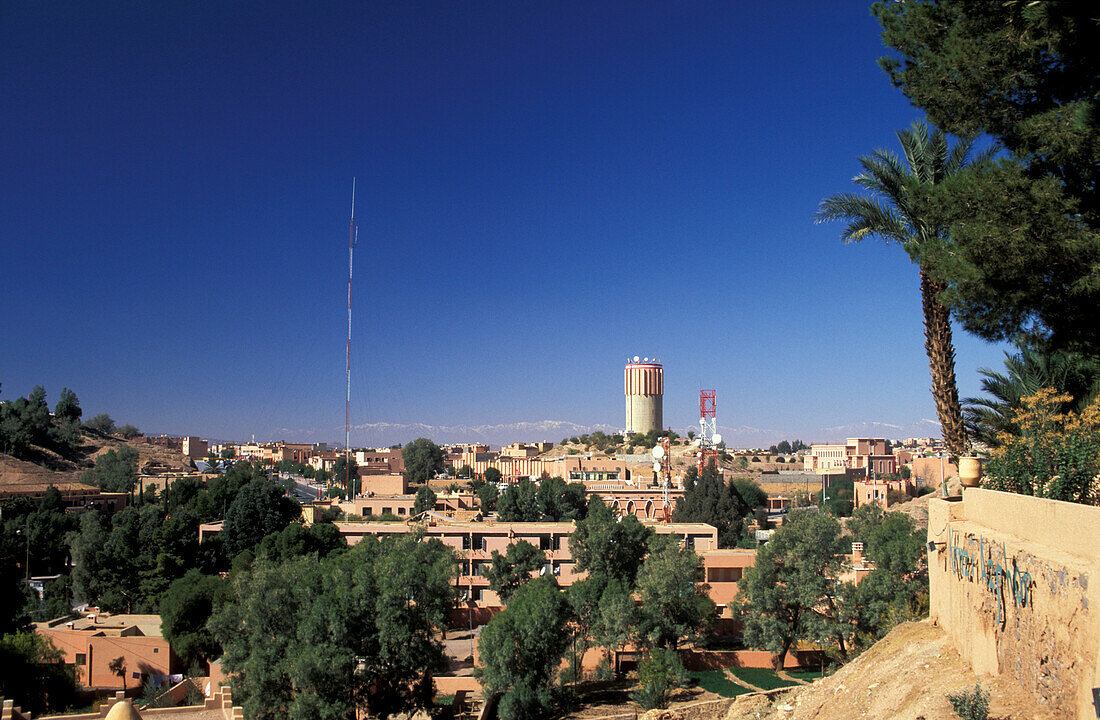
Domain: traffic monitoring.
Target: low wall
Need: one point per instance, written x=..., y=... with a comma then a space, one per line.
x=722, y=659
x=1010, y=583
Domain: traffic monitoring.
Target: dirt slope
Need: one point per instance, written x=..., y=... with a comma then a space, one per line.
x=906, y=675
x=48, y=468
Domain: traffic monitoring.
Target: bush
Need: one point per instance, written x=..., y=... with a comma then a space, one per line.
x=1056, y=455
x=659, y=674
x=604, y=671
x=970, y=705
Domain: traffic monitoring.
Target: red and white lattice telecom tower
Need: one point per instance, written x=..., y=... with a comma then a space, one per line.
x=708, y=429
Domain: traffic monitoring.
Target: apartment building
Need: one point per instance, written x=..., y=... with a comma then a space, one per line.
x=91, y=642
x=475, y=541
x=871, y=455
x=194, y=447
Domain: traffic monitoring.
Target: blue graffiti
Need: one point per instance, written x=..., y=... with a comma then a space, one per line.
x=983, y=568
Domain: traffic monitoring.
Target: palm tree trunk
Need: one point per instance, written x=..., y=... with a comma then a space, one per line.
x=941, y=361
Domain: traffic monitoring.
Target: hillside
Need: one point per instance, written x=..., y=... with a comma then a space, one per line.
x=906, y=675
x=46, y=467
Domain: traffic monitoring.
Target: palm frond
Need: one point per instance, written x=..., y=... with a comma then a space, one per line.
x=866, y=217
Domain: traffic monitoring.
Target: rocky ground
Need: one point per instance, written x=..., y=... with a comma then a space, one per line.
x=906, y=675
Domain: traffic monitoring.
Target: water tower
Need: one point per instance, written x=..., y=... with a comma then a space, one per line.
x=644, y=384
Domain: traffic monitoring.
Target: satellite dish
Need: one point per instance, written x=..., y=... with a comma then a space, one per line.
x=658, y=452
x=717, y=438
x=636, y=358
x=647, y=359
x=656, y=467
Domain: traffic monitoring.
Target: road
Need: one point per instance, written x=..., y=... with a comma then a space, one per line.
x=305, y=491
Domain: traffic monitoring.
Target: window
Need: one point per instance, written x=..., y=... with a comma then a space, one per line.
x=476, y=597
x=137, y=675
x=544, y=542
x=81, y=659
x=400, y=511
x=156, y=650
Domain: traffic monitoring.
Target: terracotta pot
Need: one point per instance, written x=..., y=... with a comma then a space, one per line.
x=970, y=471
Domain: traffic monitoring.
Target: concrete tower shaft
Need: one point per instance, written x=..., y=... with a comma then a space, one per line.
x=644, y=386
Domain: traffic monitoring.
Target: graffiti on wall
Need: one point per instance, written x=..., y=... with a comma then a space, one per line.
x=973, y=559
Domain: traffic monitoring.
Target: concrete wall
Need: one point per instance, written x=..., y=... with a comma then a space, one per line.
x=644, y=413
x=927, y=470
x=1010, y=584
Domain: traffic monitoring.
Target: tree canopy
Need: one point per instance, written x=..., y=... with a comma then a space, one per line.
x=790, y=593
x=707, y=499
x=508, y=572
x=423, y=460
x=604, y=545
x=521, y=648
x=674, y=606
x=319, y=638
x=1026, y=73
x=260, y=508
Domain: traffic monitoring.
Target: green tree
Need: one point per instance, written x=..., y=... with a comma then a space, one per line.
x=508, y=572
x=423, y=460
x=319, y=539
x=259, y=509
x=707, y=499
x=519, y=502
x=1027, y=74
x=68, y=406
x=487, y=496
x=560, y=501
x=309, y=638
x=603, y=544
x=897, y=588
x=897, y=211
x=674, y=606
x=751, y=495
x=790, y=593
x=114, y=471
x=25, y=422
x=521, y=648
x=659, y=673
x=35, y=675
x=492, y=475
x=184, y=612
x=129, y=431
x=425, y=500
x=101, y=423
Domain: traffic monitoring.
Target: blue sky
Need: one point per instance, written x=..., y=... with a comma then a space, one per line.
x=544, y=190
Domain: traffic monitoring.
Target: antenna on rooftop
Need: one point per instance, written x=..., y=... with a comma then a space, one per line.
x=353, y=237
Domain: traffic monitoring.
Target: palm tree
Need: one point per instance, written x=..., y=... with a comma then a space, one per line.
x=1025, y=374
x=894, y=213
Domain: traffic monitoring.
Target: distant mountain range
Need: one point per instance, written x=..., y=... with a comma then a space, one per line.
x=383, y=434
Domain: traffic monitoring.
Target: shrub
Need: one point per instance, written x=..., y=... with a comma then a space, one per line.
x=1056, y=455
x=970, y=705
x=658, y=675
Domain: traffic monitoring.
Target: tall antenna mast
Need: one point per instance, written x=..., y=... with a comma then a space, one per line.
x=708, y=429
x=353, y=234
